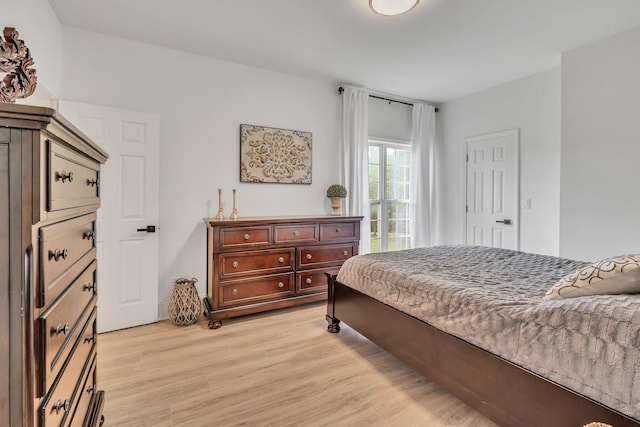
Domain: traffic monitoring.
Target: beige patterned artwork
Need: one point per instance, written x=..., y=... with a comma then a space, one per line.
x=274, y=155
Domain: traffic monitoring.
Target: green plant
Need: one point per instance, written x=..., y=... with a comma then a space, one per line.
x=336, y=190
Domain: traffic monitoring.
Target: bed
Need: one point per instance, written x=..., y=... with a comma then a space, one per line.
x=475, y=320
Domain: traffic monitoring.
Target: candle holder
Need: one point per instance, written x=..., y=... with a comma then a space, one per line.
x=220, y=215
x=234, y=212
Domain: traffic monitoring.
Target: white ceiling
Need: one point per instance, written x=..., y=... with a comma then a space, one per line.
x=441, y=50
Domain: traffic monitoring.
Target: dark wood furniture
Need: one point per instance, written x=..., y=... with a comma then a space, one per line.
x=258, y=264
x=49, y=195
x=500, y=390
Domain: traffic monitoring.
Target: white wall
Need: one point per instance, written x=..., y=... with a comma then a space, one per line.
x=201, y=103
x=389, y=120
x=601, y=149
x=531, y=104
x=40, y=29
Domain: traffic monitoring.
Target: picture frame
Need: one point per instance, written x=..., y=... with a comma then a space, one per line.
x=273, y=155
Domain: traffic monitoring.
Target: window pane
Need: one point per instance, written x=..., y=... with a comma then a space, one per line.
x=375, y=207
x=374, y=182
x=374, y=154
x=389, y=203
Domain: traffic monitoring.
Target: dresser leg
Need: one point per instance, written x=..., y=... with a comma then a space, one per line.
x=215, y=323
x=334, y=324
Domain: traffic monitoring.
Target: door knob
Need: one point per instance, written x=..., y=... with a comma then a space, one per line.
x=505, y=221
x=148, y=229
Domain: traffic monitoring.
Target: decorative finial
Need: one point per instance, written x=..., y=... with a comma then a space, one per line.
x=234, y=212
x=220, y=215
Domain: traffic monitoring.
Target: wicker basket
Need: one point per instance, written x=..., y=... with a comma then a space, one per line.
x=185, y=305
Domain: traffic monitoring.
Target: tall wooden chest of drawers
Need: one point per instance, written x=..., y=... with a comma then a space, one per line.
x=258, y=264
x=49, y=195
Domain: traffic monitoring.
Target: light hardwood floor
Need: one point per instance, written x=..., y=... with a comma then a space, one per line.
x=273, y=369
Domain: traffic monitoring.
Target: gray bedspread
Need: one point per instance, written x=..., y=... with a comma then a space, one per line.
x=493, y=298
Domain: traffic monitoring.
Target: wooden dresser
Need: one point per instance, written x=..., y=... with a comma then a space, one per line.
x=258, y=264
x=49, y=195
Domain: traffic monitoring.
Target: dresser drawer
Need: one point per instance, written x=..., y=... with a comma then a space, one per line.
x=313, y=281
x=245, y=237
x=59, y=327
x=47, y=294
x=299, y=233
x=245, y=291
x=256, y=262
x=62, y=245
x=72, y=179
x=60, y=400
x=326, y=255
x=84, y=395
x=339, y=231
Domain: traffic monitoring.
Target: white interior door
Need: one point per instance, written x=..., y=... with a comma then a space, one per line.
x=492, y=190
x=127, y=253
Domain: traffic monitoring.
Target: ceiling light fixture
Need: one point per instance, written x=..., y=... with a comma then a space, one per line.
x=392, y=7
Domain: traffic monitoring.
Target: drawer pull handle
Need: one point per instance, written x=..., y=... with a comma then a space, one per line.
x=62, y=329
x=90, y=338
x=309, y=256
x=337, y=230
x=90, y=389
x=308, y=280
x=345, y=253
x=58, y=254
x=92, y=182
x=280, y=285
x=281, y=260
x=88, y=235
x=296, y=233
x=64, y=176
x=65, y=406
x=246, y=237
x=93, y=287
x=234, y=264
x=234, y=291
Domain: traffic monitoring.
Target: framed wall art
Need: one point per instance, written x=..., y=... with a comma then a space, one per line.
x=275, y=155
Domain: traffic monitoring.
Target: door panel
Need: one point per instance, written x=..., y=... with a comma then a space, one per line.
x=492, y=190
x=128, y=258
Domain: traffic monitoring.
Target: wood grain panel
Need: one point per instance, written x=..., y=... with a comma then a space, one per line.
x=5, y=321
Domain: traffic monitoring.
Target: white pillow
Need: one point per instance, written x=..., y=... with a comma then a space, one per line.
x=620, y=275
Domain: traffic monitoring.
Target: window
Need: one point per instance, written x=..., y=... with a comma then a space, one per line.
x=389, y=167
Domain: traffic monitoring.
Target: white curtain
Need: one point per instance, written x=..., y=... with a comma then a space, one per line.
x=355, y=166
x=423, y=176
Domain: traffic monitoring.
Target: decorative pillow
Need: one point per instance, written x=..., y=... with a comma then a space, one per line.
x=620, y=275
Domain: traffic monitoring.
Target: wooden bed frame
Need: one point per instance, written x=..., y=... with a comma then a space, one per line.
x=505, y=393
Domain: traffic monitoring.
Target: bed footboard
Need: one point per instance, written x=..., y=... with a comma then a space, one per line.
x=498, y=389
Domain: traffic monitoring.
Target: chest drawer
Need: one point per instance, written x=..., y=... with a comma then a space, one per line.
x=244, y=291
x=313, y=281
x=299, y=233
x=326, y=255
x=339, y=231
x=72, y=179
x=62, y=245
x=85, y=393
x=245, y=237
x=256, y=262
x=59, y=327
x=58, y=404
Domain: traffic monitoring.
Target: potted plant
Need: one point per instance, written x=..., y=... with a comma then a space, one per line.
x=336, y=193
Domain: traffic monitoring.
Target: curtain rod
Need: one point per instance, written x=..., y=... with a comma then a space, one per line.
x=341, y=89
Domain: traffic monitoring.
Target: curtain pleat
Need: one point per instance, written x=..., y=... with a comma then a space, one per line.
x=355, y=167
x=423, y=176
